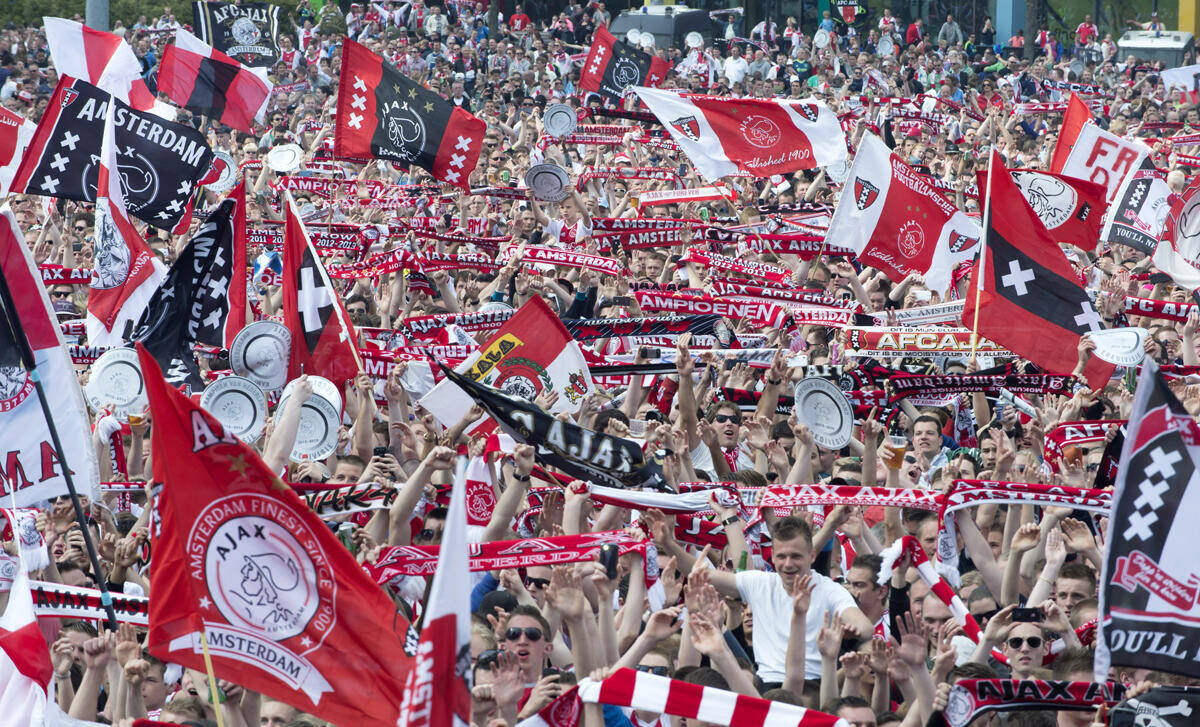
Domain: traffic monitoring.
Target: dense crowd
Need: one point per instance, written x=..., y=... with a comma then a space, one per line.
x=810, y=623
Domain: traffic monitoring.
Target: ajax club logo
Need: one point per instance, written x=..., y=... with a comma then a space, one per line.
x=761, y=131
x=15, y=386
x=405, y=130
x=1051, y=199
x=911, y=238
x=626, y=73
x=865, y=193
x=688, y=126
x=266, y=575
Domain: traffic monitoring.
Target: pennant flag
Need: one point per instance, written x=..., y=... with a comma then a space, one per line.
x=1031, y=300
x=202, y=79
x=531, y=352
x=481, y=493
x=126, y=270
x=284, y=607
x=1071, y=210
x=382, y=114
x=896, y=221
x=613, y=66
x=238, y=314
x=30, y=471
x=581, y=453
x=760, y=136
x=25, y=669
x=193, y=305
x=102, y=59
x=1139, y=211
x=1085, y=151
x=437, y=693
x=161, y=162
x=1178, y=253
x=1149, y=615
x=16, y=132
x=247, y=32
x=323, y=338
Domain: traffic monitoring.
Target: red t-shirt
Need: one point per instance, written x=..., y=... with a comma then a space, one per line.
x=519, y=22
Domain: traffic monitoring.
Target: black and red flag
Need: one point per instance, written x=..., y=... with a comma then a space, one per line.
x=323, y=338
x=1149, y=594
x=1031, y=300
x=247, y=572
x=613, y=66
x=202, y=79
x=1071, y=209
x=382, y=114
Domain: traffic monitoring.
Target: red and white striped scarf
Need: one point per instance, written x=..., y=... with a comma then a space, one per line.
x=650, y=693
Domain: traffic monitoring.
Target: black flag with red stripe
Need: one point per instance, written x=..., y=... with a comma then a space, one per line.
x=381, y=114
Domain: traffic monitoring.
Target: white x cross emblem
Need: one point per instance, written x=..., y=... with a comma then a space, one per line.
x=360, y=84
x=355, y=121
x=457, y=160
x=70, y=140
x=50, y=184
x=59, y=163
x=359, y=102
x=464, y=143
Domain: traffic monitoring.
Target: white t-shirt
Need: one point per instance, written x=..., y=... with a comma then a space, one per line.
x=772, y=608
x=736, y=69
x=702, y=459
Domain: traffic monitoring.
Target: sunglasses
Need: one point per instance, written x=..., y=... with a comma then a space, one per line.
x=531, y=633
x=986, y=615
x=537, y=582
x=722, y=418
x=428, y=534
x=60, y=294
x=1017, y=641
x=658, y=671
x=81, y=228
x=487, y=659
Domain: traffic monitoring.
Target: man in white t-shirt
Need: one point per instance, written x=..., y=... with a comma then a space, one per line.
x=736, y=67
x=769, y=596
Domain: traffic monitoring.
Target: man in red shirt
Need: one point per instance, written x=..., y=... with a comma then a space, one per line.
x=1086, y=32
x=518, y=22
x=916, y=33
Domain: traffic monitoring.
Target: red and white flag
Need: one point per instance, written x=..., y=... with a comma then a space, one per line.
x=1086, y=151
x=29, y=465
x=323, y=338
x=896, y=221
x=1178, y=252
x=127, y=271
x=531, y=352
x=437, y=693
x=760, y=136
x=103, y=60
x=16, y=132
x=241, y=560
x=1071, y=209
x=25, y=669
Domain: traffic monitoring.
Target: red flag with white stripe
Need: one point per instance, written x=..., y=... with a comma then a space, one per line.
x=16, y=132
x=102, y=59
x=127, y=271
x=437, y=693
x=25, y=670
x=756, y=135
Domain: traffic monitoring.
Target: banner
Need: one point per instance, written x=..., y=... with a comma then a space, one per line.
x=909, y=341
x=71, y=602
x=246, y=31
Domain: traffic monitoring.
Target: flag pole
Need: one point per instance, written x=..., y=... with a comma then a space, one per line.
x=212, y=678
x=987, y=217
x=30, y=364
